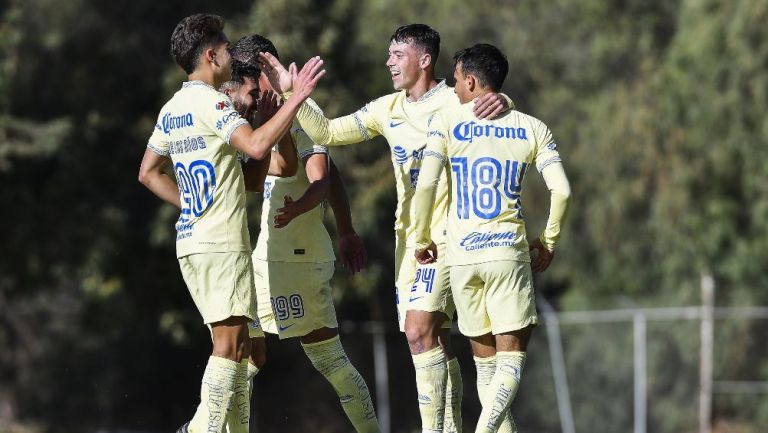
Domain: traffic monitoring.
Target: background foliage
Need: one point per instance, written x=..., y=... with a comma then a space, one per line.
x=659, y=110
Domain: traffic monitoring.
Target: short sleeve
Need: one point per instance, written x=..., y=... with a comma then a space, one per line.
x=220, y=115
x=158, y=142
x=305, y=147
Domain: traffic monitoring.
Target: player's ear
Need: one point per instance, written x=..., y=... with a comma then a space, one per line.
x=425, y=60
x=209, y=55
x=471, y=82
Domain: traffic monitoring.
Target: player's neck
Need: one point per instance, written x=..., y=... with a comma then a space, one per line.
x=479, y=93
x=421, y=87
x=206, y=76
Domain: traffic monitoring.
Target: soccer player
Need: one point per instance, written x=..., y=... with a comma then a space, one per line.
x=199, y=133
x=424, y=303
x=487, y=251
x=293, y=259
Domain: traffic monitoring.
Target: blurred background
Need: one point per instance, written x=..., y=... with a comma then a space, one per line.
x=654, y=315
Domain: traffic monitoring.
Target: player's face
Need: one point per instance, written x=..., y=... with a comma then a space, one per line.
x=462, y=87
x=245, y=97
x=221, y=62
x=403, y=64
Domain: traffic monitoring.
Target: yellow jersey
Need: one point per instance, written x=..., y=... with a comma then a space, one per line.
x=404, y=125
x=486, y=161
x=305, y=239
x=193, y=129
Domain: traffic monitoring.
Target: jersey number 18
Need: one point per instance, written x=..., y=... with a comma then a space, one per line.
x=479, y=186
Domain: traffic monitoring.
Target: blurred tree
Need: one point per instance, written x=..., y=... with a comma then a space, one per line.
x=658, y=108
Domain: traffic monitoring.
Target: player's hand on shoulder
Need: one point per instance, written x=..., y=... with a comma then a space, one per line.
x=427, y=255
x=353, y=253
x=490, y=105
x=543, y=256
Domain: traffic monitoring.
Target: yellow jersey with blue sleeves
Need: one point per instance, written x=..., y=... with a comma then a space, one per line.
x=305, y=239
x=404, y=125
x=193, y=129
x=486, y=161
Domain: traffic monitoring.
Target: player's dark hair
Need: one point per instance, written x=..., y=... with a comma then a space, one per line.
x=230, y=86
x=242, y=70
x=193, y=35
x=247, y=49
x=421, y=36
x=484, y=61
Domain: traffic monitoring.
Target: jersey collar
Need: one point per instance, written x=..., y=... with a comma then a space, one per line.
x=186, y=84
x=440, y=86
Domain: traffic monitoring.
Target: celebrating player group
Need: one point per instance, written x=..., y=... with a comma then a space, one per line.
x=244, y=122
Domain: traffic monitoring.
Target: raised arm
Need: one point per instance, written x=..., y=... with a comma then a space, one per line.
x=354, y=128
x=258, y=143
x=351, y=247
x=284, y=161
x=254, y=173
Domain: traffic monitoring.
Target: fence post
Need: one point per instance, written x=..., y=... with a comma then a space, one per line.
x=640, y=371
x=381, y=371
x=707, y=348
x=558, y=365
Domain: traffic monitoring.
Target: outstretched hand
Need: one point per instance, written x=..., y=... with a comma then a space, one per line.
x=353, y=253
x=287, y=213
x=427, y=255
x=543, y=257
x=280, y=79
x=305, y=81
x=490, y=105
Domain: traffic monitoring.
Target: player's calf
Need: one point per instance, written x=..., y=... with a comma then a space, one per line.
x=329, y=358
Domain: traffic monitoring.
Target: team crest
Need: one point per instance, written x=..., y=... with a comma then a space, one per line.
x=223, y=104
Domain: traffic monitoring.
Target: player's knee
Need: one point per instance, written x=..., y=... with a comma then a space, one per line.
x=420, y=334
x=230, y=342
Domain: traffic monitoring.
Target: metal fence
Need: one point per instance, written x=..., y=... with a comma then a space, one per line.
x=701, y=320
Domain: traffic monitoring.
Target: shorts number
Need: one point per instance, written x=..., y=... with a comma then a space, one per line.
x=486, y=176
x=424, y=277
x=287, y=306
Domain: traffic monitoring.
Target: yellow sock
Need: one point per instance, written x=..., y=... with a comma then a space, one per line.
x=328, y=357
x=431, y=379
x=486, y=368
x=239, y=416
x=251, y=372
x=501, y=391
x=216, y=393
x=454, y=391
